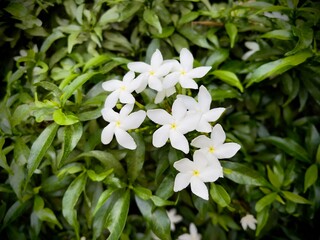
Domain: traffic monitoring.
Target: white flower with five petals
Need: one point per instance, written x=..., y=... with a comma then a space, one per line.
x=184, y=73
x=201, y=109
x=215, y=145
x=248, y=221
x=174, y=218
x=120, y=123
x=151, y=74
x=173, y=126
x=196, y=173
x=121, y=90
x=193, y=235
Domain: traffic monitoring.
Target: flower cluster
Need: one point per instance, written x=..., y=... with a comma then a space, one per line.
x=187, y=114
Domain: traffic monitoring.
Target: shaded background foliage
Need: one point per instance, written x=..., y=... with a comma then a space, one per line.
x=58, y=181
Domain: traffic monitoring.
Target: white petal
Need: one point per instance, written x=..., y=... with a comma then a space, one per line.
x=125, y=110
x=134, y=120
x=189, y=102
x=214, y=114
x=185, y=236
x=155, y=83
x=204, y=98
x=142, y=82
x=107, y=133
x=199, y=188
x=187, y=82
x=128, y=77
x=194, y=232
x=109, y=115
x=139, y=67
x=178, y=110
x=170, y=91
x=188, y=123
x=160, y=96
x=247, y=55
x=160, y=136
x=179, y=141
x=111, y=85
x=112, y=99
x=171, y=79
x=124, y=139
x=156, y=59
x=126, y=97
x=218, y=136
x=181, y=181
x=201, y=141
x=227, y=150
x=159, y=116
x=164, y=69
x=198, y=72
x=186, y=59
x=252, y=46
x=184, y=165
x=204, y=126
x=211, y=174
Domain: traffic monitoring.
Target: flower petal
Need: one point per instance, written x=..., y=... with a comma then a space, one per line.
x=155, y=83
x=189, y=102
x=186, y=59
x=214, y=114
x=109, y=115
x=128, y=77
x=160, y=136
x=204, y=126
x=201, y=141
x=126, y=97
x=181, y=181
x=107, y=133
x=125, y=110
x=227, y=150
x=211, y=174
x=134, y=120
x=156, y=59
x=171, y=79
x=111, y=85
x=164, y=69
x=160, y=116
x=112, y=99
x=198, y=72
x=124, y=139
x=187, y=82
x=179, y=141
x=218, y=136
x=139, y=67
x=204, y=98
x=178, y=110
x=160, y=96
x=199, y=188
x=184, y=165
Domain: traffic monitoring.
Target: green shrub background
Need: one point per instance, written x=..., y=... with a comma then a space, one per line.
x=58, y=181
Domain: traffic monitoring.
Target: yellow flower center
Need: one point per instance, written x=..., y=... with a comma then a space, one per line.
x=123, y=88
x=118, y=123
x=211, y=149
x=152, y=72
x=173, y=126
x=195, y=173
x=183, y=72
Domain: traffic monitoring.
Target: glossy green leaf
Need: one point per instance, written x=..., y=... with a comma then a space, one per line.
x=277, y=67
x=70, y=199
x=21, y=113
x=40, y=147
x=135, y=159
x=265, y=201
x=262, y=218
x=195, y=37
x=274, y=178
x=14, y=212
x=187, y=18
x=112, y=15
x=282, y=34
x=232, y=32
x=152, y=18
x=289, y=146
x=229, y=78
x=295, y=197
x=217, y=57
x=219, y=195
x=243, y=174
x=50, y=40
x=96, y=61
x=160, y=224
x=98, y=177
x=62, y=118
x=179, y=42
x=311, y=176
x=305, y=35
x=102, y=199
x=143, y=193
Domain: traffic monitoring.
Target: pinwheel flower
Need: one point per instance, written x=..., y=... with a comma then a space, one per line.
x=253, y=46
x=120, y=123
x=151, y=74
x=196, y=173
x=173, y=126
x=215, y=145
x=184, y=73
x=193, y=235
x=248, y=221
x=202, y=110
x=121, y=90
x=174, y=218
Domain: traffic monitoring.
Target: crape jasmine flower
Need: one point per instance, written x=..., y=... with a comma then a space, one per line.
x=201, y=109
x=248, y=221
x=253, y=46
x=184, y=73
x=151, y=74
x=121, y=90
x=193, y=235
x=120, y=123
x=215, y=145
x=174, y=218
x=173, y=126
x=197, y=173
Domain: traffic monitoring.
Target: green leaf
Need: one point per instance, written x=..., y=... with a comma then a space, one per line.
x=232, y=32
x=305, y=35
x=96, y=61
x=112, y=15
x=189, y=17
x=195, y=37
x=277, y=67
x=118, y=216
x=242, y=174
x=70, y=199
x=229, y=78
x=21, y=113
x=150, y=17
x=143, y=193
x=40, y=147
x=102, y=199
x=282, y=34
x=48, y=215
x=311, y=176
x=14, y=212
x=50, y=40
x=160, y=224
x=219, y=195
x=289, y=146
x=74, y=85
x=274, y=178
x=218, y=57
x=179, y=42
x=265, y=201
x=135, y=159
x=98, y=177
x=262, y=218
x=295, y=197
x=64, y=119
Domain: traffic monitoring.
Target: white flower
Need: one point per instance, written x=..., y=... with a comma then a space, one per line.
x=194, y=235
x=277, y=15
x=173, y=126
x=253, y=46
x=151, y=74
x=174, y=218
x=119, y=123
x=184, y=73
x=248, y=221
x=202, y=109
x=196, y=173
x=216, y=146
x=121, y=90
x=164, y=93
